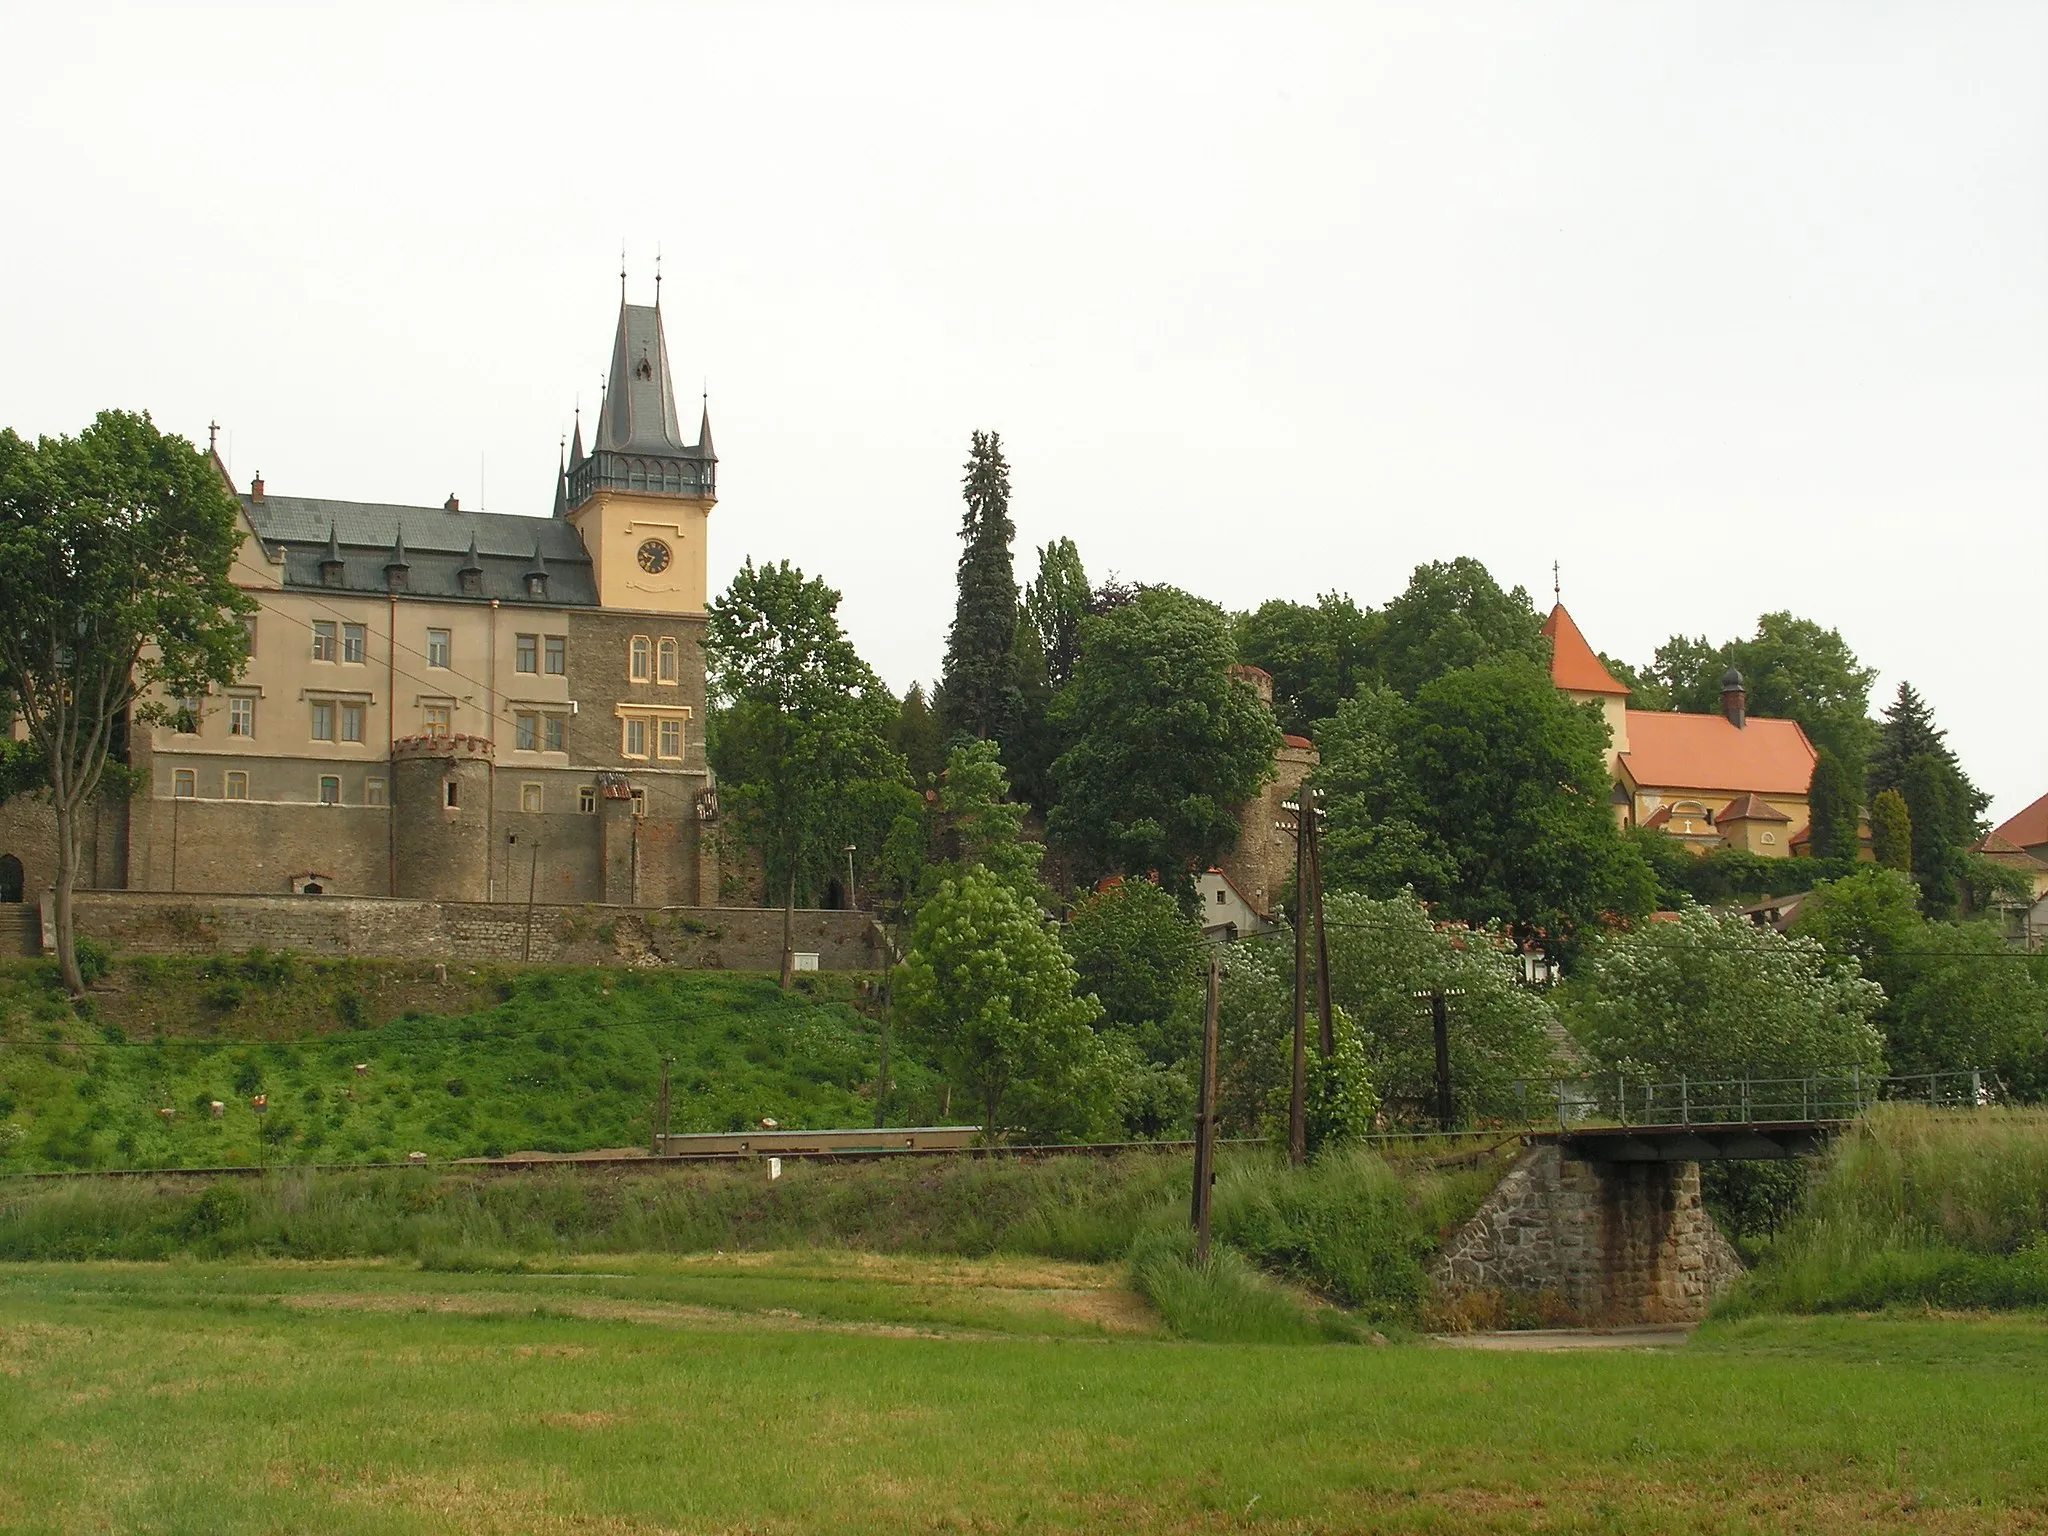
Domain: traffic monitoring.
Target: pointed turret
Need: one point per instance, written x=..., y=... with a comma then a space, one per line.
x=469, y=577
x=576, y=442
x=639, y=446
x=561, y=488
x=704, y=433
x=537, y=573
x=398, y=570
x=331, y=567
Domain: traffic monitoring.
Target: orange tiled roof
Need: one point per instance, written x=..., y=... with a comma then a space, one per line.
x=1573, y=666
x=2029, y=829
x=1750, y=808
x=1300, y=743
x=1667, y=750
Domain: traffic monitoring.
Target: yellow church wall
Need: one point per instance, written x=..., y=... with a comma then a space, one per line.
x=614, y=525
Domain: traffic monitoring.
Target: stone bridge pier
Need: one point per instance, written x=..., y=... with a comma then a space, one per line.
x=1593, y=1242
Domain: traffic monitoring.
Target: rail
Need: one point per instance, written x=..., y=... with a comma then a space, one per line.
x=1820, y=1097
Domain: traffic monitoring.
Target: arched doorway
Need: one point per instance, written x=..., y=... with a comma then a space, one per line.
x=10, y=877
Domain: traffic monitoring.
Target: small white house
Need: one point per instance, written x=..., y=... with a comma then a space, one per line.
x=1226, y=914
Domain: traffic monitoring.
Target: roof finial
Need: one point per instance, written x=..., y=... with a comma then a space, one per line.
x=1556, y=583
x=212, y=436
x=622, y=271
x=657, y=277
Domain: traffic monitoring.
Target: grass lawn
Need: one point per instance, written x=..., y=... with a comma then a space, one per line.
x=841, y=1392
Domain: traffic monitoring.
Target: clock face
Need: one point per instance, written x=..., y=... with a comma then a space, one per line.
x=654, y=557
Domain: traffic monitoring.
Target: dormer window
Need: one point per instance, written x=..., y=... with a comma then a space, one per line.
x=472, y=583
x=536, y=585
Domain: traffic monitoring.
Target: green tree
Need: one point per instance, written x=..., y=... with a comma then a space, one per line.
x=1143, y=958
x=115, y=600
x=916, y=736
x=981, y=825
x=1378, y=833
x=1956, y=997
x=1382, y=953
x=990, y=991
x=1454, y=615
x=1908, y=731
x=1891, y=831
x=1938, y=809
x=1318, y=655
x=1512, y=779
x=1831, y=798
x=1165, y=745
x=801, y=738
x=980, y=692
x=1714, y=994
x=1055, y=603
x=1793, y=669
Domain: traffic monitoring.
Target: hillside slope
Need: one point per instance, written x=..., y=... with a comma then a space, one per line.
x=366, y=1062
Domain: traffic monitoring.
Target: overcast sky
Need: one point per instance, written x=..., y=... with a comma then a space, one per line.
x=1725, y=307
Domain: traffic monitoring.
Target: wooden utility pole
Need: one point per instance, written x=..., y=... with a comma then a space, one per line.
x=1297, y=1098
x=660, y=1147
x=1315, y=886
x=1440, y=1018
x=882, y=1077
x=1205, y=1114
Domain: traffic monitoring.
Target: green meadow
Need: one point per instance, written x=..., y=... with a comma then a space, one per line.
x=848, y=1393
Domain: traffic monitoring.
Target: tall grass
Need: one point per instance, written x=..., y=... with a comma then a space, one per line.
x=1223, y=1300
x=1919, y=1207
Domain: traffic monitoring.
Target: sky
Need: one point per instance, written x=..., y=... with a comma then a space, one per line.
x=1724, y=308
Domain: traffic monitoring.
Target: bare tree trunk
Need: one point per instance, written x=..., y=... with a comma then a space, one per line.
x=67, y=878
x=789, y=932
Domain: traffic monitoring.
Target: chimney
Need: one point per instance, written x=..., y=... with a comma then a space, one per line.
x=256, y=487
x=1734, y=698
x=451, y=504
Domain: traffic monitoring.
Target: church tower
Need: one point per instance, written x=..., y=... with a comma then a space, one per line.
x=641, y=498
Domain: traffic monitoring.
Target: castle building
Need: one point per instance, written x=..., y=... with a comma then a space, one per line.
x=454, y=704
x=1730, y=779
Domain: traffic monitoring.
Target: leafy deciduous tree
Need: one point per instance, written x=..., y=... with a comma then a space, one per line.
x=115, y=552
x=982, y=826
x=987, y=986
x=1165, y=744
x=1318, y=655
x=1793, y=669
x=1454, y=615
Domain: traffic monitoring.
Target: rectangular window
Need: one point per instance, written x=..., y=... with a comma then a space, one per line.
x=528, y=737
x=665, y=659
x=636, y=660
x=639, y=802
x=351, y=722
x=448, y=793
x=636, y=738
x=355, y=639
x=184, y=783
x=438, y=719
x=185, y=716
x=249, y=632
x=324, y=640
x=237, y=785
x=554, y=733
x=529, y=797
x=241, y=717
x=323, y=721
x=373, y=791
x=438, y=647
x=558, y=655
x=528, y=657
x=671, y=738
x=330, y=789
x=586, y=799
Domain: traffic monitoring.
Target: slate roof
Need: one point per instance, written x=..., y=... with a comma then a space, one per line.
x=437, y=545
x=1573, y=666
x=1668, y=750
x=640, y=402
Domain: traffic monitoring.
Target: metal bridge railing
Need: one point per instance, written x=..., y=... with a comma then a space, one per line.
x=1821, y=1095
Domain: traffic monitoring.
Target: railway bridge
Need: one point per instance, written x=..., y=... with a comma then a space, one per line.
x=1600, y=1219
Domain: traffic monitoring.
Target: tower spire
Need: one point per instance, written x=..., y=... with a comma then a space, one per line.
x=1556, y=584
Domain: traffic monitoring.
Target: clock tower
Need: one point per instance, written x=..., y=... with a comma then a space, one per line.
x=641, y=498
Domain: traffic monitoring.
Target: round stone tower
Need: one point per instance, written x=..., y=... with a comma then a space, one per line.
x=441, y=810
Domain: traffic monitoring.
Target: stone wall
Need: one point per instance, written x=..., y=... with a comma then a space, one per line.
x=1593, y=1243
x=706, y=938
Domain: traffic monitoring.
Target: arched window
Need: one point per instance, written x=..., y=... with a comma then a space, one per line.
x=636, y=667
x=667, y=672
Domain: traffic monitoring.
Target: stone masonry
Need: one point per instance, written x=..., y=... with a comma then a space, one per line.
x=704, y=938
x=1604, y=1243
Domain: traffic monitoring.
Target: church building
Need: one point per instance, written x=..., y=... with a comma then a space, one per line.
x=453, y=704
x=1730, y=779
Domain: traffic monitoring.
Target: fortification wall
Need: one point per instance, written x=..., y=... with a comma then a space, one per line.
x=1594, y=1243
x=704, y=938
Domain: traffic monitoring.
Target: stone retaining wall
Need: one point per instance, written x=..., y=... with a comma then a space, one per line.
x=1594, y=1243
x=706, y=938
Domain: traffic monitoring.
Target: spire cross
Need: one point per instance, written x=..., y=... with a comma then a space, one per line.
x=622, y=271
x=212, y=435
x=1556, y=583
x=657, y=277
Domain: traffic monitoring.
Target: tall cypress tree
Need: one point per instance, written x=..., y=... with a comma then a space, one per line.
x=1937, y=801
x=1831, y=798
x=980, y=695
x=1891, y=831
